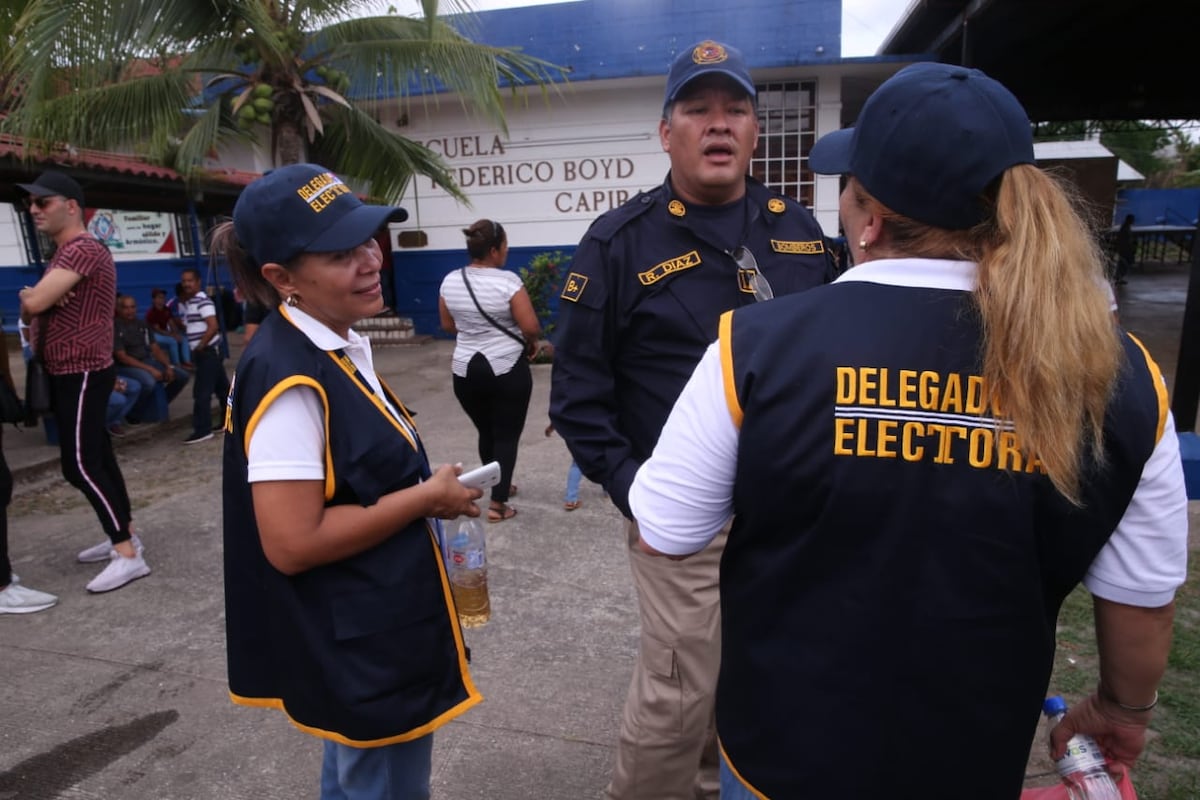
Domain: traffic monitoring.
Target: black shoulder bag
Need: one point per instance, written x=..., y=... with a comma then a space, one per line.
x=11, y=408
x=37, y=380
x=529, y=348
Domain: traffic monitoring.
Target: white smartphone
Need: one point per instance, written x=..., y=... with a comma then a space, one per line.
x=483, y=478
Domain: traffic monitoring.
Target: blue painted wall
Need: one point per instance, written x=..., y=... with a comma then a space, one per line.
x=1158, y=206
x=135, y=278
x=419, y=274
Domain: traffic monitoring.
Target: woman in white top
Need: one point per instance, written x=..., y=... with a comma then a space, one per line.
x=490, y=311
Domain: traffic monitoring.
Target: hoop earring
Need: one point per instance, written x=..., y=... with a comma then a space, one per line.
x=292, y=300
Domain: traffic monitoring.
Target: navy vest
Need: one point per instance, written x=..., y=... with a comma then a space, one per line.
x=366, y=651
x=896, y=565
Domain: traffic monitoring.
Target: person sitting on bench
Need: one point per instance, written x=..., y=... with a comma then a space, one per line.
x=139, y=357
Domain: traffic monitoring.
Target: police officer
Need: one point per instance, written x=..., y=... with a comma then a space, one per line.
x=648, y=283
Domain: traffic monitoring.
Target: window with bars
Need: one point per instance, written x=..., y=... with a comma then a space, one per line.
x=45, y=245
x=187, y=242
x=787, y=125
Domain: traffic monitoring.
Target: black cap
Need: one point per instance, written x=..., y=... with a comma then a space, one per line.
x=929, y=141
x=51, y=183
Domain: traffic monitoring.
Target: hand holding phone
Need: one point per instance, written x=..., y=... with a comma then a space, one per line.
x=482, y=478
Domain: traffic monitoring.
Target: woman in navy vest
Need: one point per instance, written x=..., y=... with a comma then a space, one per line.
x=338, y=609
x=922, y=460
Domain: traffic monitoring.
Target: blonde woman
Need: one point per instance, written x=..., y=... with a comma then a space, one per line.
x=922, y=460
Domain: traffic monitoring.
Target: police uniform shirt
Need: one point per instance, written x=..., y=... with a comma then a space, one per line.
x=640, y=304
x=900, y=520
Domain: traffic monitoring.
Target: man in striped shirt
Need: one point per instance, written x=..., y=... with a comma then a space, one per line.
x=204, y=337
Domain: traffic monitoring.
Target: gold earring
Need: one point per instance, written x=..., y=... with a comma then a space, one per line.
x=862, y=245
x=292, y=300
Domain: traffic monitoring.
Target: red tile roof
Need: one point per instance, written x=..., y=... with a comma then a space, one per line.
x=119, y=163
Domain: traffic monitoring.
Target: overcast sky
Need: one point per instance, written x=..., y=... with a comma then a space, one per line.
x=865, y=23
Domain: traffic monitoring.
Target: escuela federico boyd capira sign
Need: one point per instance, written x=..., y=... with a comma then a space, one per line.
x=578, y=175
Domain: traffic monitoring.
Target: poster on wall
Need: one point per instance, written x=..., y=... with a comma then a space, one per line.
x=132, y=231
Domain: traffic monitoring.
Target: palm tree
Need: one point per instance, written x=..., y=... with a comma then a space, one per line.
x=177, y=81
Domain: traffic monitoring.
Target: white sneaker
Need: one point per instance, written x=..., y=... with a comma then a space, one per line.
x=103, y=551
x=18, y=599
x=120, y=571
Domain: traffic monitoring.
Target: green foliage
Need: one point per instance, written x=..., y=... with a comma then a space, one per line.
x=146, y=75
x=542, y=277
x=1170, y=766
x=1165, y=155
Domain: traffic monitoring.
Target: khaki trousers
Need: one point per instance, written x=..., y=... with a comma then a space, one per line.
x=667, y=748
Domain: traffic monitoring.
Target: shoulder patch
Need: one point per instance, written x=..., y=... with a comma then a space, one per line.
x=606, y=225
x=776, y=206
x=573, y=287
x=670, y=267
x=798, y=248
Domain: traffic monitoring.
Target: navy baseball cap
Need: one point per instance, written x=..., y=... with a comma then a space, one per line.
x=707, y=58
x=51, y=183
x=304, y=208
x=929, y=141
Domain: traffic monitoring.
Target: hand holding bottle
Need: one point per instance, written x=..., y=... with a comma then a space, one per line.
x=1119, y=732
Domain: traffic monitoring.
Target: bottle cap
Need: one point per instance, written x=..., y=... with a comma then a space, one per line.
x=1054, y=706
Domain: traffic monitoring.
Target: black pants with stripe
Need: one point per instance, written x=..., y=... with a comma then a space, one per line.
x=88, y=462
x=497, y=405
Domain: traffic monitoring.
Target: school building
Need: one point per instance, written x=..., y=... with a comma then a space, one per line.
x=581, y=148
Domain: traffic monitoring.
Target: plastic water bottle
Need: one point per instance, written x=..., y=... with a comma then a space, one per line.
x=466, y=566
x=1082, y=768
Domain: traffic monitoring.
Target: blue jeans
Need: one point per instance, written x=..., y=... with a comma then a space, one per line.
x=731, y=787
x=147, y=381
x=121, y=404
x=210, y=380
x=176, y=349
x=394, y=772
x=573, y=478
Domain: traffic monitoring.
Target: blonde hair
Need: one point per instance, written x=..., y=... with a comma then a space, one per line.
x=1050, y=348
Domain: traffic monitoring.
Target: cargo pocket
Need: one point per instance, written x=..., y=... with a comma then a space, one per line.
x=385, y=644
x=660, y=693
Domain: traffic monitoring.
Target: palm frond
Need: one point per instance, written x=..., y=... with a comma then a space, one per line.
x=357, y=146
x=201, y=140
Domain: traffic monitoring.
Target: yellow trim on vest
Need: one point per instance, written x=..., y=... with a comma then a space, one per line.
x=1160, y=387
x=725, y=337
x=473, y=699
x=271, y=397
x=396, y=400
x=463, y=670
x=348, y=367
x=745, y=783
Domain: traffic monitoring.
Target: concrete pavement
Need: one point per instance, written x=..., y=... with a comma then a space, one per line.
x=124, y=696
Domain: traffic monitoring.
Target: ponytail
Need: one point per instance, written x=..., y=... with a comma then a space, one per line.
x=1050, y=347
